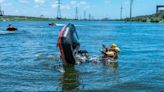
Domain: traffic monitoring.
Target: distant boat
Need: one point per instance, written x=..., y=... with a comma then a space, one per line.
x=11, y=28
x=52, y=24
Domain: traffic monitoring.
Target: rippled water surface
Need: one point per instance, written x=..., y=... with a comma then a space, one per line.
x=29, y=58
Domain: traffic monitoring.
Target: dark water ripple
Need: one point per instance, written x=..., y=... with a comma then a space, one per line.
x=29, y=58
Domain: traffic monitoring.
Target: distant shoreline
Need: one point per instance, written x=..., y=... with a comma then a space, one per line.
x=10, y=18
x=23, y=18
x=146, y=18
x=154, y=18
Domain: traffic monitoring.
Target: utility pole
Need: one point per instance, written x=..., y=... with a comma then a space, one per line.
x=121, y=12
x=89, y=16
x=92, y=17
x=84, y=15
x=1, y=12
x=131, y=5
x=76, y=13
x=59, y=10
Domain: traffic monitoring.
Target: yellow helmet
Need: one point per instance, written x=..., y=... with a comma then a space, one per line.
x=117, y=49
x=114, y=45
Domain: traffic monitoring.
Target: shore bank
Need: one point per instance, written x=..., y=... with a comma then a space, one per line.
x=147, y=18
x=19, y=18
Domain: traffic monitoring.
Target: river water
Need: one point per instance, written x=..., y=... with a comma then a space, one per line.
x=29, y=58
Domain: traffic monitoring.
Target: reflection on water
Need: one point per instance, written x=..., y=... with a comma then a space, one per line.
x=112, y=66
x=70, y=79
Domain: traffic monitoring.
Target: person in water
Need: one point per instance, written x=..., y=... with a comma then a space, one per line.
x=10, y=26
x=82, y=56
x=83, y=53
x=111, y=52
x=52, y=24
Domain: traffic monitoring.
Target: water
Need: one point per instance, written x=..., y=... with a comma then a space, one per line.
x=29, y=58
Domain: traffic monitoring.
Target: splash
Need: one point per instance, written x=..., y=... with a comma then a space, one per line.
x=5, y=32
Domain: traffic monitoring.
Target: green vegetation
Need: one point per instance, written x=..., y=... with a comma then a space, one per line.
x=24, y=18
x=148, y=18
x=19, y=18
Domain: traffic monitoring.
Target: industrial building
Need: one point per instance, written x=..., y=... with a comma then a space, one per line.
x=160, y=11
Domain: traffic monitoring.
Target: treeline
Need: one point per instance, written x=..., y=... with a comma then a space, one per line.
x=12, y=18
x=148, y=18
x=24, y=18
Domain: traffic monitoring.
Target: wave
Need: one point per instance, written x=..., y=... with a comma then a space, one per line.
x=79, y=25
x=50, y=57
x=60, y=24
x=50, y=61
x=65, y=24
x=5, y=32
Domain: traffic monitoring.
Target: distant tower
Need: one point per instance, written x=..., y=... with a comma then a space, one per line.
x=1, y=12
x=121, y=12
x=84, y=15
x=92, y=17
x=76, y=13
x=89, y=16
x=59, y=10
x=131, y=5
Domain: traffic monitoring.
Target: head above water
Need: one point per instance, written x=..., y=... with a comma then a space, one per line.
x=114, y=45
x=117, y=49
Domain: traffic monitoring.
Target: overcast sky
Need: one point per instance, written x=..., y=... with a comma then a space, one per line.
x=97, y=8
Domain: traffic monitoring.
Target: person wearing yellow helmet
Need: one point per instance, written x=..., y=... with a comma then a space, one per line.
x=111, y=51
x=117, y=49
x=113, y=45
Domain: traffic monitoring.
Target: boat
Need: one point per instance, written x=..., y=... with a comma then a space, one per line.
x=11, y=28
x=52, y=24
x=68, y=43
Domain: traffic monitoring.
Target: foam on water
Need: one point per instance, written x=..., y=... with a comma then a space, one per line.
x=6, y=32
x=57, y=24
x=60, y=24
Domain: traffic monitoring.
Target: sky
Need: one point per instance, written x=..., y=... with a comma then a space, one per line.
x=97, y=8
